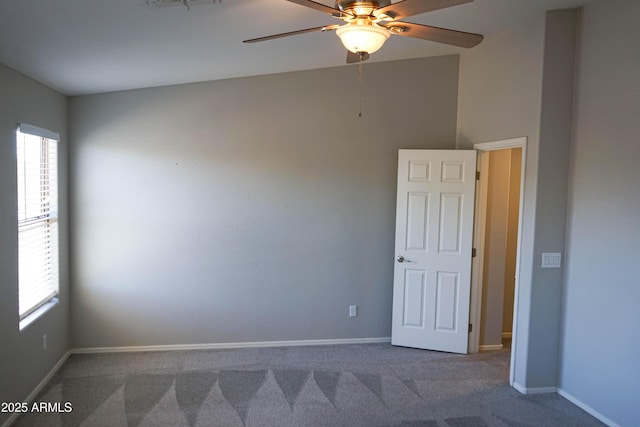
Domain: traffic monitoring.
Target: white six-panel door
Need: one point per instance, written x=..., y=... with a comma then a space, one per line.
x=434, y=234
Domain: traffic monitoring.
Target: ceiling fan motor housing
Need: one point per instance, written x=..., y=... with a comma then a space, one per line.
x=347, y=5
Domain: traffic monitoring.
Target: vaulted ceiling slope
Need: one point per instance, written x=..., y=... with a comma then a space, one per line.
x=91, y=46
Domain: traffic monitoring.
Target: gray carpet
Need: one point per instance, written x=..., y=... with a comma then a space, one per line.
x=347, y=385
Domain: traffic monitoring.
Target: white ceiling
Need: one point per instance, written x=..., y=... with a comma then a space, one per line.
x=90, y=46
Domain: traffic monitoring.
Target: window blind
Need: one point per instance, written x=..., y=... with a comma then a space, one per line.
x=37, y=161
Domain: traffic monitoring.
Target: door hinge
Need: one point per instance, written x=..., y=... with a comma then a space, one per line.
x=477, y=175
x=470, y=327
x=473, y=252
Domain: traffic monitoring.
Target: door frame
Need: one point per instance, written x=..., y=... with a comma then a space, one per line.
x=479, y=238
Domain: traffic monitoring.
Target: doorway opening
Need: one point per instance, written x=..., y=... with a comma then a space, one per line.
x=497, y=240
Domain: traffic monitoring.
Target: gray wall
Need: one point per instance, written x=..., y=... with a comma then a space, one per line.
x=500, y=97
x=551, y=196
x=519, y=83
x=601, y=334
x=255, y=209
x=23, y=363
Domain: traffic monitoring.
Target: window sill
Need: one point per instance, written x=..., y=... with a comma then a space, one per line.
x=38, y=313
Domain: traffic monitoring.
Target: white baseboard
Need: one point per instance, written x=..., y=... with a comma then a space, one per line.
x=534, y=390
x=588, y=409
x=231, y=345
x=492, y=347
x=29, y=399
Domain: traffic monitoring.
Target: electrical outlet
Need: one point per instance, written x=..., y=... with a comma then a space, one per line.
x=44, y=342
x=353, y=311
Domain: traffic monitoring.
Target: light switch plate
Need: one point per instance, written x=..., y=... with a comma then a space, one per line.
x=551, y=259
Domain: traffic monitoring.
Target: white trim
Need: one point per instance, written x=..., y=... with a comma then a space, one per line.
x=491, y=347
x=534, y=390
x=500, y=145
x=588, y=409
x=29, y=399
x=231, y=345
x=38, y=312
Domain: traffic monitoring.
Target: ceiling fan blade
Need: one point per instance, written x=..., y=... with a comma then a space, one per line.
x=434, y=34
x=293, y=33
x=354, y=58
x=405, y=8
x=319, y=6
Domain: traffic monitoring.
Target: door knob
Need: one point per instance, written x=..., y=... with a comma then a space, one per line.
x=400, y=258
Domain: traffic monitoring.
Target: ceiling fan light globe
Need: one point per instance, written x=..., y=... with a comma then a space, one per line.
x=362, y=38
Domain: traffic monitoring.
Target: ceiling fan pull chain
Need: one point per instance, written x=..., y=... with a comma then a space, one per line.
x=360, y=86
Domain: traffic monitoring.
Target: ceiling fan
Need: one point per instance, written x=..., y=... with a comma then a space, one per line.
x=368, y=24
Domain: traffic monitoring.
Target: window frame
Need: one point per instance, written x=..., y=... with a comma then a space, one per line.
x=37, y=226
